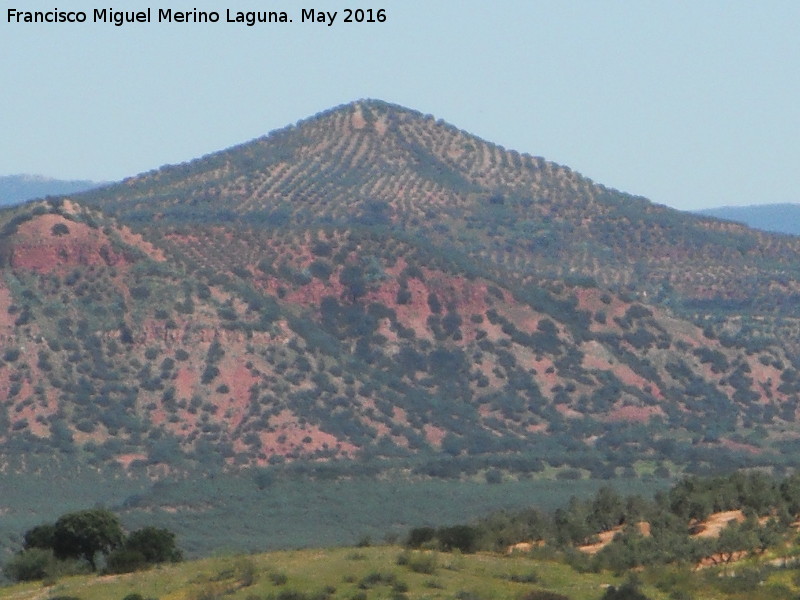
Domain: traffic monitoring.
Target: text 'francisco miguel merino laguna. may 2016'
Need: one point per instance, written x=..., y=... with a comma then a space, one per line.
x=169, y=15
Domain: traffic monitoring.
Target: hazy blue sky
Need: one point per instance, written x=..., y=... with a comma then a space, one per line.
x=691, y=104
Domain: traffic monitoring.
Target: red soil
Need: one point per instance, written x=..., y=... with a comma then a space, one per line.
x=37, y=248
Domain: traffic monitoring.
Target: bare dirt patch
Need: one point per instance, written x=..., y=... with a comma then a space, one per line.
x=711, y=527
x=606, y=537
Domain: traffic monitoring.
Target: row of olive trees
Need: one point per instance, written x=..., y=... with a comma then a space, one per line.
x=85, y=537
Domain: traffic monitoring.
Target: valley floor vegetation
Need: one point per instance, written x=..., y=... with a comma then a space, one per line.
x=261, y=510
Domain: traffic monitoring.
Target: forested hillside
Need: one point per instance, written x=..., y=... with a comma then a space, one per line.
x=374, y=284
x=389, y=168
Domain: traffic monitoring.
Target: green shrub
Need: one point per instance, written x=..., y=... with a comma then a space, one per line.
x=124, y=560
x=423, y=563
x=209, y=374
x=140, y=292
x=376, y=578
x=246, y=572
x=30, y=565
x=529, y=577
x=156, y=545
x=278, y=578
x=494, y=476
x=419, y=536
x=627, y=591
x=321, y=269
x=458, y=537
x=59, y=229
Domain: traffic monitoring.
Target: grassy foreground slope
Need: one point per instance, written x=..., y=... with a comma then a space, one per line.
x=331, y=573
x=374, y=572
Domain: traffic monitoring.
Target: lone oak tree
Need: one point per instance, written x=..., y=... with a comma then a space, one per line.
x=84, y=533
